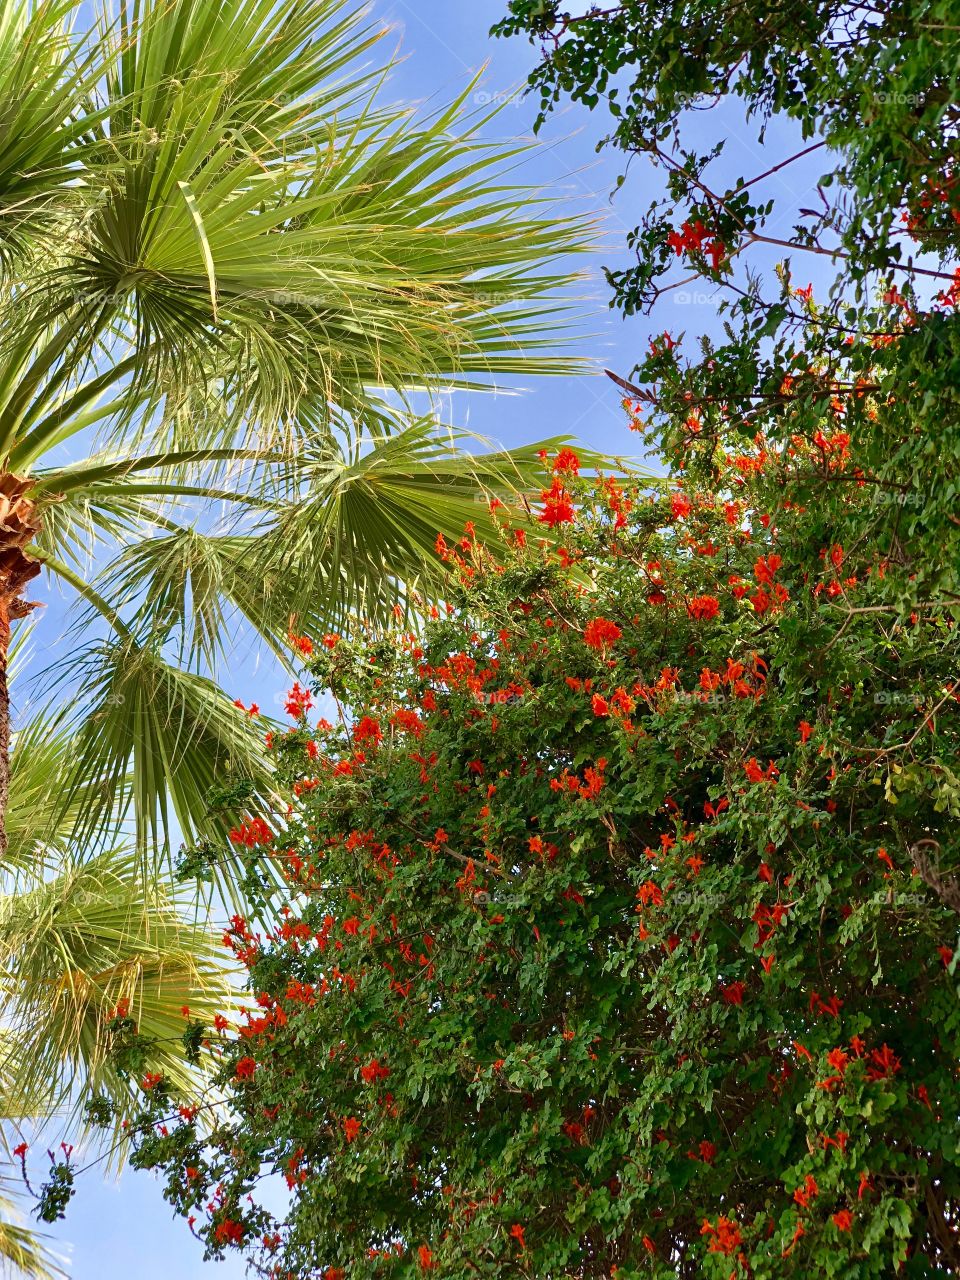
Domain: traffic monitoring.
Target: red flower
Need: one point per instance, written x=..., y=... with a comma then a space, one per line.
x=600, y=632
x=733, y=994
x=805, y=730
x=557, y=505
x=229, y=1232
x=753, y=771
x=703, y=607
x=425, y=1257
x=843, y=1220
x=251, y=833
x=755, y=774
x=883, y=1063
x=517, y=1232
x=246, y=1068
x=680, y=506
x=716, y=251
x=299, y=701
x=600, y=705
x=838, y=1059
x=351, y=1128
x=726, y=1235
x=373, y=1071
x=567, y=461
x=408, y=720
x=809, y=1191
x=765, y=569
x=650, y=893
x=368, y=730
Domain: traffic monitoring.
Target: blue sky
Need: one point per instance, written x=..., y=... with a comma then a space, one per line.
x=124, y=1231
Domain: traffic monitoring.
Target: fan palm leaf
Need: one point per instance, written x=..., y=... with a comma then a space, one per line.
x=43, y=814
x=73, y=947
x=22, y=1250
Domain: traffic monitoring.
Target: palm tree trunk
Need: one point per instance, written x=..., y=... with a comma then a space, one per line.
x=19, y=525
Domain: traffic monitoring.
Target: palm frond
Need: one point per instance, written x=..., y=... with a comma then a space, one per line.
x=252, y=256
x=362, y=535
x=154, y=740
x=385, y=251
x=42, y=815
x=72, y=948
x=280, y=73
x=23, y=1252
x=46, y=87
x=337, y=531
x=199, y=587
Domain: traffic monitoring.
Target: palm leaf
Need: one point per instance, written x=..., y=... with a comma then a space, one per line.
x=75, y=945
x=335, y=532
x=363, y=533
x=43, y=815
x=382, y=252
x=23, y=1251
x=252, y=257
x=46, y=87
x=156, y=739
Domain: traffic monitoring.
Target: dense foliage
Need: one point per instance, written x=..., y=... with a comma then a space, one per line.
x=868, y=98
x=873, y=90
x=622, y=913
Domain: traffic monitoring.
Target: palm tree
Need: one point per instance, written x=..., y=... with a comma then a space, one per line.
x=230, y=275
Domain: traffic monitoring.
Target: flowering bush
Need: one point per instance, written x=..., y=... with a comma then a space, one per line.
x=622, y=920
